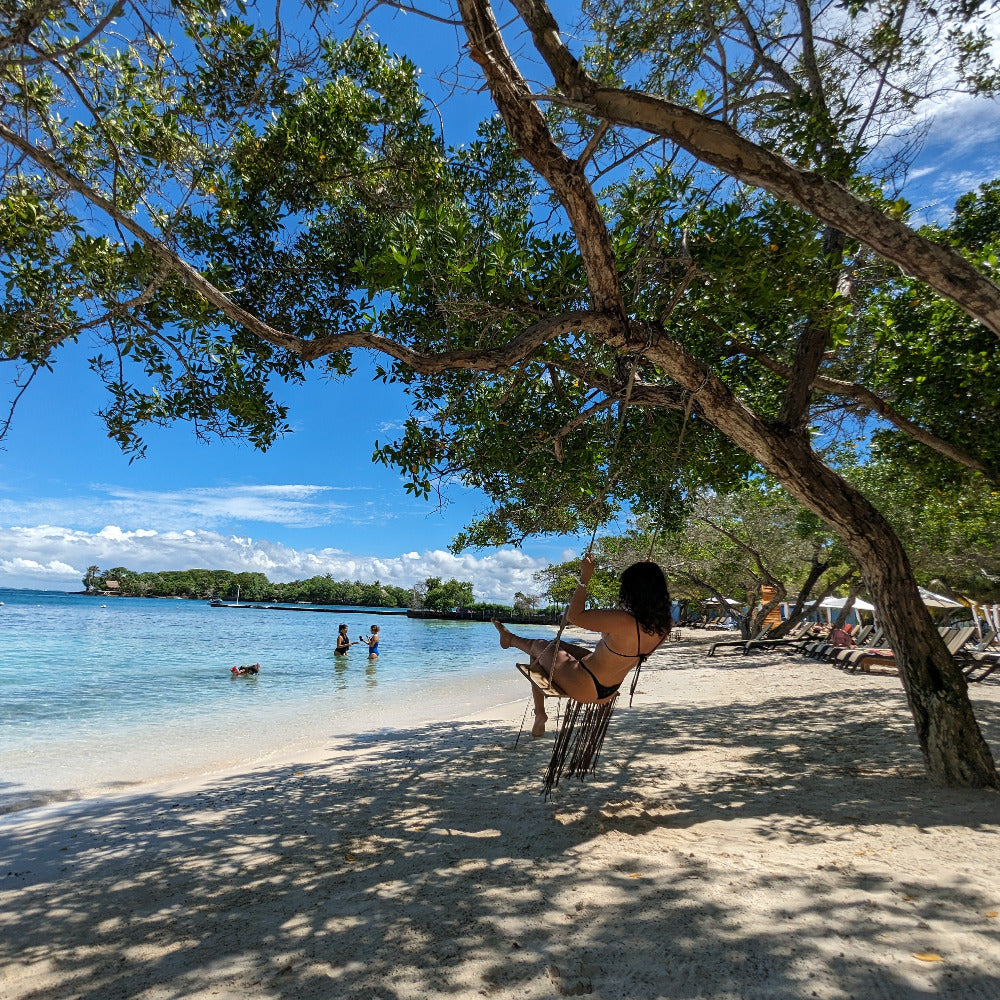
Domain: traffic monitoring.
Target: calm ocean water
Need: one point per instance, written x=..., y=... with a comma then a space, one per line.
x=99, y=693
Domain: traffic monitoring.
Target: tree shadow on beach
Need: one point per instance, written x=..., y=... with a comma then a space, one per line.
x=429, y=865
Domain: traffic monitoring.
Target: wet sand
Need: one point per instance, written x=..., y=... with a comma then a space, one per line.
x=758, y=828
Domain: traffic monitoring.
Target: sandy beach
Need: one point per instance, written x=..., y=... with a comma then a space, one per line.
x=758, y=828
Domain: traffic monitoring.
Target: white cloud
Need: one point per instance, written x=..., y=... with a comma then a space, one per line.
x=19, y=566
x=289, y=505
x=961, y=151
x=52, y=557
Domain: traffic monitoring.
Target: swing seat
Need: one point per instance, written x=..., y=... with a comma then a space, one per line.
x=581, y=735
x=539, y=677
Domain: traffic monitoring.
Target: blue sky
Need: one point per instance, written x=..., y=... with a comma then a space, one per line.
x=314, y=503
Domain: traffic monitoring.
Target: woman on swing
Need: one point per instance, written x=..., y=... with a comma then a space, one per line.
x=629, y=633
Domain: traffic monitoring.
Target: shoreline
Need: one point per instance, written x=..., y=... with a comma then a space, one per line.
x=286, y=740
x=758, y=828
x=311, y=751
x=119, y=699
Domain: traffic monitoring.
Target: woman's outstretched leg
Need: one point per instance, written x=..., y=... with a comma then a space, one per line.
x=534, y=648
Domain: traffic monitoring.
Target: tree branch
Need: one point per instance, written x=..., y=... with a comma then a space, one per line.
x=527, y=125
x=719, y=145
x=872, y=401
x=762, y=571
x=50, y=55
x=29, y=21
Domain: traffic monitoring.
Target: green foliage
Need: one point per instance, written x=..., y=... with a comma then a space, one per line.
x=731, y=545
x=940, y=368
x=447, y=595
x=561, y=579
x=260, y=181
x=204, y=584
x=949, y=525
x=811, y=91
x=320, y=197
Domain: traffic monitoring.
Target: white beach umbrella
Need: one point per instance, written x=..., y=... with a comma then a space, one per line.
x=933, y=600
x=837, y=603
x=831, y=604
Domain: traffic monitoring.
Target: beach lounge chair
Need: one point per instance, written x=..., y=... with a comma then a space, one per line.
x=812, y=645
x=829, y=650
x=762, y=642
x=848, y=659
x=983, y=665
x=792, y=643
x=735, y=644
x=840, y=656
x=980, y=661
x=885, y=659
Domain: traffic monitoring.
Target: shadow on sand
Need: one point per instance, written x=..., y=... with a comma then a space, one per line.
x=429, y=865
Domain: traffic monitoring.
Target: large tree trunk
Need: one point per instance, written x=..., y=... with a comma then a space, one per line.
x=953, y=746
x=954, y=749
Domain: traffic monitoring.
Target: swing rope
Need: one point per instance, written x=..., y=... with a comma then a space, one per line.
x=580, y=737
x=675, y=461
x=622, y=408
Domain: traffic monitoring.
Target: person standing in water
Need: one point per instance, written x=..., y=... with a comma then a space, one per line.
x=343, y=641
x=372, y=641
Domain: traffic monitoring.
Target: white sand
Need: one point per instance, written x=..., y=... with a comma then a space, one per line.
x=759, y=828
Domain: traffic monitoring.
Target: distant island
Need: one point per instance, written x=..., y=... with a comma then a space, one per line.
x=220, y=584
x=453, y=598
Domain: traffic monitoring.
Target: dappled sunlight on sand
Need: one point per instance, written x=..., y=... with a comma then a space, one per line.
x=753, y=831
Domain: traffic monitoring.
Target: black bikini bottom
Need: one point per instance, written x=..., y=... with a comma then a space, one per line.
x=603, y=691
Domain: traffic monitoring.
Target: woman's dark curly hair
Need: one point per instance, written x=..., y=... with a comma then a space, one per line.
x=644, y=595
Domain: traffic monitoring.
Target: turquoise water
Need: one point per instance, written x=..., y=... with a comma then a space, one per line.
x=100, y=693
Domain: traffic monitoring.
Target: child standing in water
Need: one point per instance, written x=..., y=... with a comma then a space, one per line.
x=372, y=641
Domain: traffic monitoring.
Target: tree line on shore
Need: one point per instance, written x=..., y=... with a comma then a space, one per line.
x=434, y=594
x=220, y=584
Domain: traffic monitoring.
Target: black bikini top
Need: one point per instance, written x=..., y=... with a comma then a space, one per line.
x=642, y=657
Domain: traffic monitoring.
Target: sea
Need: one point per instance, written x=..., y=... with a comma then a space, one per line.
x=100, y=694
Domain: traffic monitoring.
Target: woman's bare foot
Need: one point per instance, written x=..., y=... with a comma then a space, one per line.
x=538, y=729
x=505, y=634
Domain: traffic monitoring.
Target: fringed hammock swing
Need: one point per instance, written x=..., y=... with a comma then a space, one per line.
x=580, y=737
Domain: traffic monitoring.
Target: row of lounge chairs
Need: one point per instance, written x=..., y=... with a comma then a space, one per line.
x=977, y=661
x=745, y=646
x=872, y=657
x=722, y=622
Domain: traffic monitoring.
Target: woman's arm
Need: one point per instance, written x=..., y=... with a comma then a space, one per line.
x=578, y=604
x=594, y=620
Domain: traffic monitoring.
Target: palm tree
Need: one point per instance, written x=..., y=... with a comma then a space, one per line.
x=93, y=572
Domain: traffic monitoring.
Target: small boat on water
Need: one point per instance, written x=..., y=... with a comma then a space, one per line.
x=245, y=670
